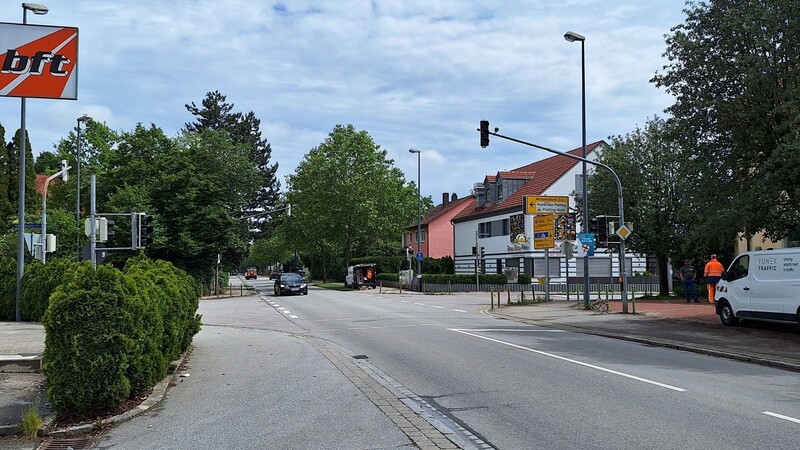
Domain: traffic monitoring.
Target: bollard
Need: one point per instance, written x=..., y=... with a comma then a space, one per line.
x=491, y=299
x=508, y=300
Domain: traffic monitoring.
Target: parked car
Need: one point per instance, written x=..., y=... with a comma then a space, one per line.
x=361, y=275
x=251, y=272
x=290, y=283
x=274, y=275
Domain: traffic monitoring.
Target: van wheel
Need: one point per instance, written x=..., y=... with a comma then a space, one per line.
x=726, y=315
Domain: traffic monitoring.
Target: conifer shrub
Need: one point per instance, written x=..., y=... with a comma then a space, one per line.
x=39, y=282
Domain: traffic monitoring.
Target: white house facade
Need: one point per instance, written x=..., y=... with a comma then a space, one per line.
x=496, y=224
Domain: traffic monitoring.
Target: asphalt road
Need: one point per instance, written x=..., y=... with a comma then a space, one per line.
x=510, y=385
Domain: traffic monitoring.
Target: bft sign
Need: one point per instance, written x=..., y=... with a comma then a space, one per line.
x=38, y=61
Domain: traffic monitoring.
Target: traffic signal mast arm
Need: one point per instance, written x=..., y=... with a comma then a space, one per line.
x=484, y=130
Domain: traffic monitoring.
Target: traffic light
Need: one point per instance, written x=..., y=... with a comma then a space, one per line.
x=145, y=230
x=593, y=225
x=602, y=229
x=484, y=133
x=105, y=229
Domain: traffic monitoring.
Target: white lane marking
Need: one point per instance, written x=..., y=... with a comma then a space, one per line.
x=522, y=330
x=404, y=301
x=781, y=416
x=437, y=307
x=573, y=361
x=293, y=317
x=459, y=310
x=420, y=304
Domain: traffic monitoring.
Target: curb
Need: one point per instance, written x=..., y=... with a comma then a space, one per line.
x=157, y=394
x=751, y=357
x=22, y=363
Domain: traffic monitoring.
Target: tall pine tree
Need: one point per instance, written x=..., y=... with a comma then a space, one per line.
x=243, y=129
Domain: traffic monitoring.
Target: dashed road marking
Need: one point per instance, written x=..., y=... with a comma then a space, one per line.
x=459, y=310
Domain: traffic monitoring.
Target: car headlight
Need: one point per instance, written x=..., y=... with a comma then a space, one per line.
x=303, y=285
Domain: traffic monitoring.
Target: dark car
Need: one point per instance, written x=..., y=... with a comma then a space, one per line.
x=251, y=273
x=290, y=283
x=274, y=275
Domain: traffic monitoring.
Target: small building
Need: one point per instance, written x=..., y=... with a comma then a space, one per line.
x=436, y=227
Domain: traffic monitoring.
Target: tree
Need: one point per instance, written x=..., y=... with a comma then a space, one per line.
x=244, y=129
x=346, y=194
x=46, y=162
x=12, y=149
x=735, y=73
x=200, y=190
x=6, y=209
x=658, y=195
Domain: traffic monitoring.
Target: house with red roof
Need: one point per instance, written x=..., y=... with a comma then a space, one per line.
x=495, y=222
x=436, y=227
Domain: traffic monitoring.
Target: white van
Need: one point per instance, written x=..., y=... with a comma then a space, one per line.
x=761, y=285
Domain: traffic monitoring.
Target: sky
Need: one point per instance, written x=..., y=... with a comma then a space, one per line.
x=413, y=74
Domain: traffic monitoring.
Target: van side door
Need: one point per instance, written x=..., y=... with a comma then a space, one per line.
x=739, y=286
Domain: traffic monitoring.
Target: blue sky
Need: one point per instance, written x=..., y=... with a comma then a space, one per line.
x=414, y=73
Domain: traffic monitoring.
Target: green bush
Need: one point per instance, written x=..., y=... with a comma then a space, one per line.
x=111, y=334
x=388, y=276
x=464, y=279
x=524, y=278
x=88, y=341
x=8, y=288
x=39, y=282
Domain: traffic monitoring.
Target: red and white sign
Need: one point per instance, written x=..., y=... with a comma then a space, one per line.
x=38, y=61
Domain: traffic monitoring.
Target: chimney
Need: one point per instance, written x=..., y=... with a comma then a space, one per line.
x=454, y=197
x=445, y=198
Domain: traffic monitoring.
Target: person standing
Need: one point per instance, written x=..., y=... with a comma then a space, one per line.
x=688, y=275
x=712, y=274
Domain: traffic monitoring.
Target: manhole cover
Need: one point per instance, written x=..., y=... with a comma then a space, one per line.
x=66, y=444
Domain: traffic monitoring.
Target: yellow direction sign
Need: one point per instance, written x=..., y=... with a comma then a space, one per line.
x=537, y=204
x=544, y=231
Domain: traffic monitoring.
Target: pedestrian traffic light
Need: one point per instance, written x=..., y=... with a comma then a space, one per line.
x=484, y=133
x=593, y=225
x=145, y=230
x=602, y=228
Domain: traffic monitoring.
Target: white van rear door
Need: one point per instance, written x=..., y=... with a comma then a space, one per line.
x=739, y=285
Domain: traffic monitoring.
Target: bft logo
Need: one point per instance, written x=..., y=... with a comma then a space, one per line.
x=18, y=64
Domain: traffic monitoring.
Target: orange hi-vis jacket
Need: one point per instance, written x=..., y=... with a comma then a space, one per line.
x=714, y=269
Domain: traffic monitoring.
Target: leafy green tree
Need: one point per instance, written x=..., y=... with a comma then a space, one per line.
x=12, y=149
x=244, y=129
x=46, y=163
x=733, y=69
x=346, y=194
x=266, y=251
x=6, y=208
x=196, y=200
x=658, y=195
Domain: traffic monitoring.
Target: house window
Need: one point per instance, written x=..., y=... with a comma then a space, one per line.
x=494, y=228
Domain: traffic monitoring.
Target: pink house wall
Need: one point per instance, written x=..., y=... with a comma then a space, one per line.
x=439, y=242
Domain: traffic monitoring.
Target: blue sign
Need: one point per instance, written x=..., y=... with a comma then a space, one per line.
x=587, y=243
x=420, y=256
x=541, y=234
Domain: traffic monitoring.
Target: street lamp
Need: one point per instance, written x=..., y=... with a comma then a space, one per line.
x=39, y=10
x=83, y=118
x=419, y=222
x=571, y=36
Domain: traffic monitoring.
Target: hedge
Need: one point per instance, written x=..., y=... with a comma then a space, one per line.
x=8, y=288
x=464, y=279
x=111, y=334
x=39, y=282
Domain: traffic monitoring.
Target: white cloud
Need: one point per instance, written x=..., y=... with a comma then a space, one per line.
x=414, y=73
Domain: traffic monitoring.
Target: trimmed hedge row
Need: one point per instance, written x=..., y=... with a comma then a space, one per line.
x=112, y=334
x=464, y=279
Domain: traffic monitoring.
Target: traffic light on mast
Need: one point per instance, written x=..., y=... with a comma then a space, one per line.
x=484, y=133
x=145, y=230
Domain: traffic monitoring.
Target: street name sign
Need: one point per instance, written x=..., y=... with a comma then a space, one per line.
x=537, y=204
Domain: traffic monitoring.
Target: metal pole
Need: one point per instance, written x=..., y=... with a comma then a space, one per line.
x=419, y=226
x=78, y=188
x=92, y=220
x=585, y=199
x=21, y=210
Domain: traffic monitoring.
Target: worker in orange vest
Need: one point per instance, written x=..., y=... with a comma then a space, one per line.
x=713, y=274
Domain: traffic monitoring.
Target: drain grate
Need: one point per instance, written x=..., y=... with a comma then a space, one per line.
x=67, y=444
x=360, y=357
